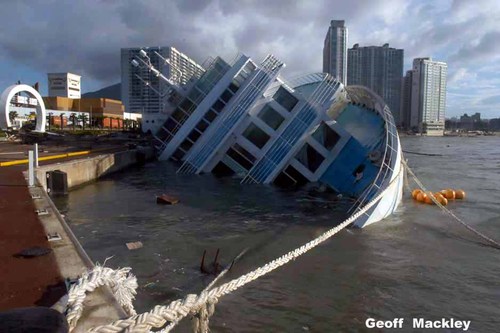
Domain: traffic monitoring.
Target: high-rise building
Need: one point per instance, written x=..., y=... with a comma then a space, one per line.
x=406, y=100
x=379, y=68
x=64, y=85
x=428, y=96
x=139, y=97
x=335, y=51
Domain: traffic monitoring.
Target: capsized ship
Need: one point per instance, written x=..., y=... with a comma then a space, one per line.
x=245, y=118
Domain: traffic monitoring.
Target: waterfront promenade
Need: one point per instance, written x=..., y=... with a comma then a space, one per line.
x=40, y=280
x=24, y=281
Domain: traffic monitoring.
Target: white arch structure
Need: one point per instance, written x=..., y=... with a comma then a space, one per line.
x=7, y=96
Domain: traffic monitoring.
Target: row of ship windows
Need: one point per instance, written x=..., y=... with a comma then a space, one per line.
x=209, y=117
x=187, y=107
x=307, y=155
x=253, y=133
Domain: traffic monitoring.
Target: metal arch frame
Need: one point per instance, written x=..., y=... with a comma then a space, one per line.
x=7, y=96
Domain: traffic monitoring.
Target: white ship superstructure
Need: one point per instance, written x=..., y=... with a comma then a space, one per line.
x=244, y=118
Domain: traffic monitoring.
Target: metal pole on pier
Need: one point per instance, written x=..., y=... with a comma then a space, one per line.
x=31, y=168
x=36, y=155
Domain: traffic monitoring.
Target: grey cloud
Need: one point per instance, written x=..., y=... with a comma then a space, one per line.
x=487, y=47
x=86, y=36
x=492, y=100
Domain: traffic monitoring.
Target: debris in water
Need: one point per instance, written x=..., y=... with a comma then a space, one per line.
x=134, y=245
x=166, y=199
x=212, y=269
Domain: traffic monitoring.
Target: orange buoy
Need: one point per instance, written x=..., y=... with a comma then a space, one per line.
x=459, y=194
x=421, y=197
x=440, y=198
x=415, y=192
x=428, y=198
x=438, y=194
x=449, y=194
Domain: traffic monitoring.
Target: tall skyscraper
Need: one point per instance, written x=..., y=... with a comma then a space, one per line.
x=428, y=96
x=379, y=68
x=140, y=98
x=406, y=99
x=335, y=51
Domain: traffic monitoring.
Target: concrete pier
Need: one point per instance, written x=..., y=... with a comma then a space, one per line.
x=39, y=281
x=89, y=169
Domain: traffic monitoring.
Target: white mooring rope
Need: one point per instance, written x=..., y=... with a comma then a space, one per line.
x=122, y=283
x=201, y=306
x=446, y=210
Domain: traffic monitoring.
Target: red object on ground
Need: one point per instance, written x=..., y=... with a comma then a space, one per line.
x=23, y=282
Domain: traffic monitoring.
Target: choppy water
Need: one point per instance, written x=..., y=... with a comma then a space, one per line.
x=417, y=263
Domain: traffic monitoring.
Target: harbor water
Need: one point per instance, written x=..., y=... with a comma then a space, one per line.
x=418, y=263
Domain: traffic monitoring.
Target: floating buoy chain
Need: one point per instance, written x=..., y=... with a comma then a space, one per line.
x=449, y=212
x=206, y=300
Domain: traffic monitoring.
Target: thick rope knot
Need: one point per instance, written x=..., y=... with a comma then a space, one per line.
x=123, y=284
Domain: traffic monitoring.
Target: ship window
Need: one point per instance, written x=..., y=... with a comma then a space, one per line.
x=240, y=79
x=239, y=158
x=210, y=116
x=194, y=135
x=218, y=106
x=290, y=177
x=234, y=86
x=179, y=115
x=256, y=136
x=249, y=67
x=326, y=136
x=226, y=95
x=186, y=145
x=271, y=117
x=178, y=155
x=285, y=99
x=309, y=157
x=195, y=94
x=202, y=126
x=244, y=152
x=188, y=106
x=170, y=124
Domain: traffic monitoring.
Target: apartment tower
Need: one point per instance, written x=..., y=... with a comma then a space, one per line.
x=428, y=96
x=335, y=51
x=379, y=68
x=139, y=97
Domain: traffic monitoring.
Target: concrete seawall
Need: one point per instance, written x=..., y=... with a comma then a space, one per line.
x=100, y=307
x=82, y=171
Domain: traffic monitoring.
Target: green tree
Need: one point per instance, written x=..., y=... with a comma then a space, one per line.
x=62, y=120
x=83, y=118
x=73, y=120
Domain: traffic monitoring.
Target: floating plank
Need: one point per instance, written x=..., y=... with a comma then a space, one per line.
x=134, y=245
x=166, y=199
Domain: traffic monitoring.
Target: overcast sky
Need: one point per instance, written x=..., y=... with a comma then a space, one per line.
x=85, y=37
